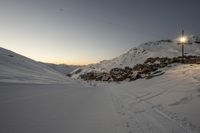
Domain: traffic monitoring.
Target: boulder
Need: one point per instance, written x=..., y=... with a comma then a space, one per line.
x=128, y=69
x=106, y=77
x=118, y=74
x=68, y=75
x=146, y=71
x=133, y=76
x=103, y=77
x=139, y=67
x=150, y=60
x=89, y=76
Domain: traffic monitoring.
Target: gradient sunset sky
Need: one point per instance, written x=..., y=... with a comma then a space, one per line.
x=88, y=31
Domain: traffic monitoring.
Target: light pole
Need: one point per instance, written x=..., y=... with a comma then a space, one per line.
x=182, y=41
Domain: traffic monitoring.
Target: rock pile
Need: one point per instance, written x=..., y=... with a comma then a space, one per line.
x=118, y=74
x=96, y=76
x=146, y=70
x=192, y=60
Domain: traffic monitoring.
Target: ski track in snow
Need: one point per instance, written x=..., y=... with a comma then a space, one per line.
x=96, y=107
x=83, y=108
x=139, y=116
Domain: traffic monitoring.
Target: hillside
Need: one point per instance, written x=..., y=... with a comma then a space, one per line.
x=17, y=68
x=137, y=55
x=173, y=96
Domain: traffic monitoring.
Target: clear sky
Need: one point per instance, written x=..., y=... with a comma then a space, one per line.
x=88, y=31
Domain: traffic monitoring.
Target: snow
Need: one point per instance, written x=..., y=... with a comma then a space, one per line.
x=62, y=68
x=36, y=98
x=20, y=69
x=67, y=108
x=137, y=55
x=175, y=96
x=165, y=104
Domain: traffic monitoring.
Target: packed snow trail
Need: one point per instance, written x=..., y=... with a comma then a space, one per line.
x=78, y=108
x=71, y=108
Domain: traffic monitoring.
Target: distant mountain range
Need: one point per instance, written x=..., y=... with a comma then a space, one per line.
x=62, y=68
x=137, y=55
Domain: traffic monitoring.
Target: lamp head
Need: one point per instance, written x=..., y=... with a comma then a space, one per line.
x=183, y=39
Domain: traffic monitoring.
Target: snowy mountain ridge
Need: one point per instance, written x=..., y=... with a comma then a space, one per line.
x=137, y=55
x=62, y=68
x=20, y=69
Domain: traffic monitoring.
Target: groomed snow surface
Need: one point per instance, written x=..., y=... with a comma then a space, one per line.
x=164, y=104
x=35, y=98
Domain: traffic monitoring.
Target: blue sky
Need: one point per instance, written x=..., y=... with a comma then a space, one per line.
x=88, y=31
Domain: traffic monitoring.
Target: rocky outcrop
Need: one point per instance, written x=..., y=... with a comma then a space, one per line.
x=96, y=76
x=118, y=74
x=149, y=69
x=103, y=77
x=192, y=60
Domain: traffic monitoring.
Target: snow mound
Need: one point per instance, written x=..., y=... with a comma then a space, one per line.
x=17, y=68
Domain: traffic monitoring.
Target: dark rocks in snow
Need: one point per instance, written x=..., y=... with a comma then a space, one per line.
x=77, y=71
x=149, y=69
x=192, y=60
x=89, y=76
x=187, y=59
x=138, y=67
x=103, y=77
x=177, y=60
x=145, y=69
x=96, y=76
x=160, y=62
x=11, y=55
x=134, y=76
x=196, y=39
x=154, y=74
x=168, y=41
x=128, y=69
x=68, y=75
x=130, y=73
x=118, y=74
x=150, y=60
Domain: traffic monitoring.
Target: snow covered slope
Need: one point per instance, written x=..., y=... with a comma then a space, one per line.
x=17, y=68
x=175, y=96
x=137, y=55
x=62, y=68
x=165, y=104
